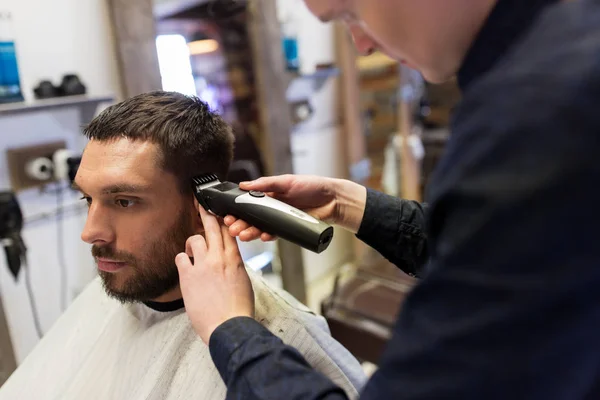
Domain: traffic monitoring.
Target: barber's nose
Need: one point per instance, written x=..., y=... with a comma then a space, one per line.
x=97, y=229
x=363, y=42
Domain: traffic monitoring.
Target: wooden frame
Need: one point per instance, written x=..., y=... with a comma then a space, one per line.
x=353, y=139
x=409, y=166
x=135, y=41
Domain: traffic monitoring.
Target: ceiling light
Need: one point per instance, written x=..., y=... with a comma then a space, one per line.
x=202, y=44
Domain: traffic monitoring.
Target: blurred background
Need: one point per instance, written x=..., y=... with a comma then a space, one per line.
x=298, y=96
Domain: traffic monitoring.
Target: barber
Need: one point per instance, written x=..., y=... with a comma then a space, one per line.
x=508, y=306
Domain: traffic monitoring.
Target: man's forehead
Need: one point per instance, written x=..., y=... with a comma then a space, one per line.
x=120, y=159
x=122, y=147
x=124, y=152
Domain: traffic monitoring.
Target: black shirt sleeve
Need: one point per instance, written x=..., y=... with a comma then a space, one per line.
x=396, y=229
x=257, y=365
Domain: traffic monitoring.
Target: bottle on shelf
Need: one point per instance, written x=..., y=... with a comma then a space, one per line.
x=10, y=83
x=290, y=43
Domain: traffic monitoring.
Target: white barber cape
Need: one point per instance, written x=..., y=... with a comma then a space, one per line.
x=102, y=349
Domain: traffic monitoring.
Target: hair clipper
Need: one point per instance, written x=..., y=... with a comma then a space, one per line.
x=265, y=213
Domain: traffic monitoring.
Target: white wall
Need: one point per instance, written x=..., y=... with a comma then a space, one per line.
x=318, y=153
x=52, y=38
x=316, y=143
x=41, y=237
x=55, y=37
x=316, y=40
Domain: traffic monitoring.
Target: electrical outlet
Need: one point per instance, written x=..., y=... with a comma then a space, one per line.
x=20, y=158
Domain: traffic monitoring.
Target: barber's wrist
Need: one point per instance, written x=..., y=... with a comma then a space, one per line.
x=224, y=330
x=351, y=200
x=228, y=337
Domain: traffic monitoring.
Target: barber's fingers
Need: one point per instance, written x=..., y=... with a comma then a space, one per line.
x=281, y=184
x=266, y=237
x=253, y=233
x=230, y=245
x=196, y=247
x=182, y=260
x=236, y=226
x=245, y=231
x=249, y=234
x=229, y=220
x=228, y=240
x=212, y=230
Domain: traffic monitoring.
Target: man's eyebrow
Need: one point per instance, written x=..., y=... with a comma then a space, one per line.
x=124, y=188
x=118, y=188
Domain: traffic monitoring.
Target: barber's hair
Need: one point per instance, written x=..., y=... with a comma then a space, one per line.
x=192, y=139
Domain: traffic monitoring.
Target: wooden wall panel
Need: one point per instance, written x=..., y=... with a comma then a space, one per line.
x=135, y=40
x=410, y=168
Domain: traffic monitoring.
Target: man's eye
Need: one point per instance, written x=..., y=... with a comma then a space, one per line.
x=125, y=203
x=88, y=200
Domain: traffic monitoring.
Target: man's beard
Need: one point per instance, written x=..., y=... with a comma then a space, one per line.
x=153, y=276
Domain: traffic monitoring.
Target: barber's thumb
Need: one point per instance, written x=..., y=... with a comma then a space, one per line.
x=247, y=185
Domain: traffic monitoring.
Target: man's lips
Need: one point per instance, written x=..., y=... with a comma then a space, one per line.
x=108, y=265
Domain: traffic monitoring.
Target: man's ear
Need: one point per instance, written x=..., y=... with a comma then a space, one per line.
x=198, y=227
x=195, y=215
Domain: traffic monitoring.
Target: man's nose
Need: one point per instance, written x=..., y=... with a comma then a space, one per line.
x=362, y=41
x=97, y=229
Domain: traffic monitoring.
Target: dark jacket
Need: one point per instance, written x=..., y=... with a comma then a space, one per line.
x=508, y=305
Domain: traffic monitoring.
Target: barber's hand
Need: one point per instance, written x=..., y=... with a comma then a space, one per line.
x=216, y=287
x=335, y=201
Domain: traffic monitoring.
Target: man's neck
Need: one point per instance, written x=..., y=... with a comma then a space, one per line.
x=172, y=295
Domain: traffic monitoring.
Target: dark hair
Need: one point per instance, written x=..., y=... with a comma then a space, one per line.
x=192, y=139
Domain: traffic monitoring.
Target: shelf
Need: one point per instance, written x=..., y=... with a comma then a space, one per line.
x=322, y=73
x=86, y=104
x=377, y=84
x=167, y=9
x=195, y=9
x=319, y=76
x=375, y=64
x=302, y=86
